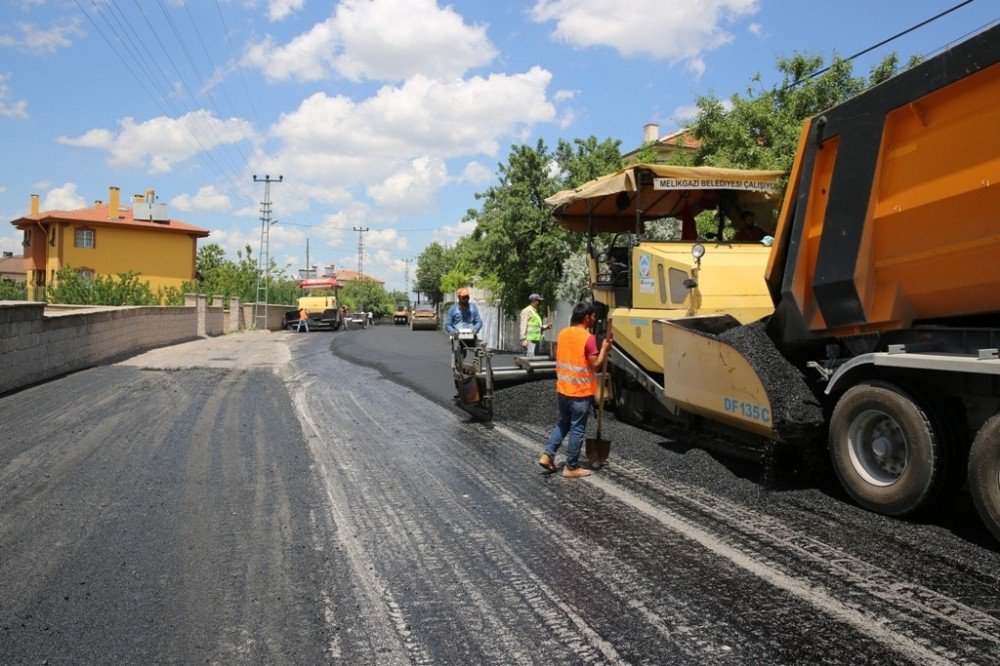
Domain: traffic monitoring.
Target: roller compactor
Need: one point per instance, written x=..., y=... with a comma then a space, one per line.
x=870, y=324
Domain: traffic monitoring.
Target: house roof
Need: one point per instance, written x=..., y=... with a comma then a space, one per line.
x=347, y=275
x=97, y=215
x=12, y=265
x=681, y=139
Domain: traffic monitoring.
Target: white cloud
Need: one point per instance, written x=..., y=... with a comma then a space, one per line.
x=12, y=243
x=411, y=189
x=11, y=108
x=685, y=114
x=278, y=10
x=386, y=40
x=338, y=140
x=233, y=239
x=565, y=95
x=385, y=240
x=163, y=142
x=476, y=173
x=679, y=32
x=450, y=234
x=392, y=145
x=307, y=57
x=755, y=29
x=395, y=39
x=30, y=38
x=63, y=198
x=207, y=198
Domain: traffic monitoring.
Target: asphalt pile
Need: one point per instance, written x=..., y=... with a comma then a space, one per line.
x=794, y=406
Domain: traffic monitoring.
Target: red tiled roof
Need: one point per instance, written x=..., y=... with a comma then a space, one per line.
x=681, y=137
x=98, y=216
x=346, y=275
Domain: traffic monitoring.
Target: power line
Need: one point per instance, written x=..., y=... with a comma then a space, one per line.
x=875, y=46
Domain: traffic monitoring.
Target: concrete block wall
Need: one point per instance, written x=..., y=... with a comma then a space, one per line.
x=35, y=345
x=275, y=315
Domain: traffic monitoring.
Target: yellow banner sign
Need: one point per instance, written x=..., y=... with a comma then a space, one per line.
x=713, y=184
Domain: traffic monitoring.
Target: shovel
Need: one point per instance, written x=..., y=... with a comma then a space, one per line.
x=599, y=449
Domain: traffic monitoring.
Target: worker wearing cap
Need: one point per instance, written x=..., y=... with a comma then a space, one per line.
x=531, y=325
x=463, y=314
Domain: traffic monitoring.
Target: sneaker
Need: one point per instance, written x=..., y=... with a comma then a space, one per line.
x=547, y=462
x=575, y=472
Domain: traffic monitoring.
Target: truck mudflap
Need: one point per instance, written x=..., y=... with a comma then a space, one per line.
x=716, y=368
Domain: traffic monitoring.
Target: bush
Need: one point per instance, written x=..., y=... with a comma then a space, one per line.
x=125, y=289
x=11, y=290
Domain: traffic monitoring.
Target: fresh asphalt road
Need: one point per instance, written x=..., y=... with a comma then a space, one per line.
x=314, y=498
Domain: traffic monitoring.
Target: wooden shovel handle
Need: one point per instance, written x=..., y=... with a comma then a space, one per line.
x=604, y=368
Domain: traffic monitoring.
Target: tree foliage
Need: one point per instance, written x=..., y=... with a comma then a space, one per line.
x=367, y=296
x=124, y=289
x=760, y=128
x=432, y=265
x=11, y=290
x=218, y=276
x=519, y=239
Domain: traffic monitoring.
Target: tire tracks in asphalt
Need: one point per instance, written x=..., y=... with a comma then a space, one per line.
x=862, y=595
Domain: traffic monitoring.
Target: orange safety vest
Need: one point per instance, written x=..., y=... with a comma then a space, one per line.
x=303, y=314
x=574, y=376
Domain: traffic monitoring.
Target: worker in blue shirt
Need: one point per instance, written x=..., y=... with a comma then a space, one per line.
x=463, y=314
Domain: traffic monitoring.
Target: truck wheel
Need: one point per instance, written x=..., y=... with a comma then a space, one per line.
x=984, y=474
x=890, y=452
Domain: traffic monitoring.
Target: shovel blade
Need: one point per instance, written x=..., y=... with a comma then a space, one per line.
x=598, y=449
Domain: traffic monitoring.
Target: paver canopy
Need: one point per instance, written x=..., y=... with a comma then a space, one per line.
x=658, y=191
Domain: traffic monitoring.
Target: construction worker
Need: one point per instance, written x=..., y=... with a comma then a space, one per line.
x=577, y=357
x=303, y=320
x=532, y=326
x=463, y=314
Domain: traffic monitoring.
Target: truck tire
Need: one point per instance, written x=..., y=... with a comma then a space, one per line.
x=984, y=474
x=891, y=453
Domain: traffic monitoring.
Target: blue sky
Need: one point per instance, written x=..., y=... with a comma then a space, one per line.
x=385, y=114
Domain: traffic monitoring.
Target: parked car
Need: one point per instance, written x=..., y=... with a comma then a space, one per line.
x=424, y=317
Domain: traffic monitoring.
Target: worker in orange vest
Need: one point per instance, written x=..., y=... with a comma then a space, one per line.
x=577, y=357
x=303, y=320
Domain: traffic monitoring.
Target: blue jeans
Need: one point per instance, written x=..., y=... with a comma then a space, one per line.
x=573, y=414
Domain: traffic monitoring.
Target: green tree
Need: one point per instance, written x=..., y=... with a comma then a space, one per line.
x=367, y=295
x=761, y=128
x=11, y=290
x=217, y=275
x=432, y=264
x=582, y=160
x=452, y=280
x=518, y=237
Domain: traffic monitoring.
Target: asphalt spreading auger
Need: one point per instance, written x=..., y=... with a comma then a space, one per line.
x=476, y=378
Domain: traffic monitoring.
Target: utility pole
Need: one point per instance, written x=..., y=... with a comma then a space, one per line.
x=264, y=257
x=361, y=246
x=406, y=276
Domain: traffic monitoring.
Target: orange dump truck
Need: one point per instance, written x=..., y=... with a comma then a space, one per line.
x=880, y=294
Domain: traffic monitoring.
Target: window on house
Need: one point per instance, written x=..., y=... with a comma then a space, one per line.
x=86, y=273
x=52, y=238
x=26, y=241
x=84, y=238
